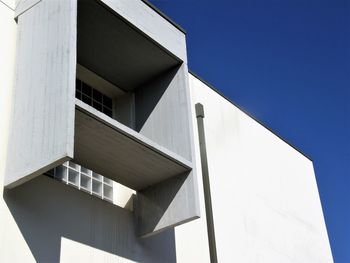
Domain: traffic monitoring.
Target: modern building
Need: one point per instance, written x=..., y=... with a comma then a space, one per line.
x=111, y=151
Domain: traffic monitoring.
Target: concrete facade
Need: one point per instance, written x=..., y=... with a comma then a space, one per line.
x=265, y=202
x=48, y=126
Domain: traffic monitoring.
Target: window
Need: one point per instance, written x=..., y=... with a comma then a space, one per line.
x=84, y=179
x=93, y=97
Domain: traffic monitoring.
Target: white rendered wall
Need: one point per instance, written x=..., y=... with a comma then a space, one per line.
x=265, y=200
x=9, y=232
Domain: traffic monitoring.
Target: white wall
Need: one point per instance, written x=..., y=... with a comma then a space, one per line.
x=7, y=55
x=264, y=194
x=47, y=221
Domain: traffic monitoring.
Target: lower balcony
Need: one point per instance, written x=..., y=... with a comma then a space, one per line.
x=110, y=148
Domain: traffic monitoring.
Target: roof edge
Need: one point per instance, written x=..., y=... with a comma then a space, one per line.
x=149, y=4
x=247, y=113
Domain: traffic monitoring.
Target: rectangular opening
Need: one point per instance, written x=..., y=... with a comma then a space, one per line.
x=123, y=81
x=87, y=180
x=115, y=60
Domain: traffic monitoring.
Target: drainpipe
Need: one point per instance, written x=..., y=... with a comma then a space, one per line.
x=206, y=183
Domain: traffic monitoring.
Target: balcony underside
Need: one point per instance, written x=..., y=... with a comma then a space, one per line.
x=116, y=50
x=119, y=153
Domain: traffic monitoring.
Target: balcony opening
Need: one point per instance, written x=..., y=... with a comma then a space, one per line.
x=131, y=124
x=105, y=97
x=123, y=60
x=115, y=50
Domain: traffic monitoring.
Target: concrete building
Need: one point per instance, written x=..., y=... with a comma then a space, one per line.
x=111, y=151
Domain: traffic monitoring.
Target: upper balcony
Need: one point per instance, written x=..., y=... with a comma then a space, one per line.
x=145, y=83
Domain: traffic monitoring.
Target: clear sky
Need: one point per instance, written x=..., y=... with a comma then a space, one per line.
x=287, y=62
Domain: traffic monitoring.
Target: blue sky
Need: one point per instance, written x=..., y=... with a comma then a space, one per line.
x=287, y=62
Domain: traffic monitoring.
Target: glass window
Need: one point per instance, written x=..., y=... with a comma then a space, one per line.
x=107, y=192
x=85, y=182
x=96, y=187
x=73, y=177
x=94, y=98
x=84, y=179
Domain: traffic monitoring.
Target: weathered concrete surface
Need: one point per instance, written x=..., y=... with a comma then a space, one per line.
x=121, y=154
x=42, y=120
x=151, y=24
x=163, y=111
x=163, y=114
x=23, y=5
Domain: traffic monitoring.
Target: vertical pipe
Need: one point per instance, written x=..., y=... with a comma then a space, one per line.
x=206, y=183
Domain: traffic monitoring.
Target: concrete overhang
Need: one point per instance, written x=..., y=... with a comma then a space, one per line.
x=152, y=23
x=116, y=50
x=104, y=145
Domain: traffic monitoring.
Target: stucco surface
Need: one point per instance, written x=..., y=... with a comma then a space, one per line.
x=265, y=199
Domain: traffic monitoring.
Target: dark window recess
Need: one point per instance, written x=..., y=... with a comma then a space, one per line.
x=97, y=106
x=78, y=94
x=87, y=90
x=97, y=96
x=107, y=111
x=107, y=102
x=93, y=97
x=87, y=99
x=78, y=85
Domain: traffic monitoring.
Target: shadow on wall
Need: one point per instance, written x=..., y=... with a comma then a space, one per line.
x=151, y=204
x=161, y=111
x=46, y=210
x=150, y=94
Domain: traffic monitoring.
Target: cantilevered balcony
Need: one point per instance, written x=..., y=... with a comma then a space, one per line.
x=145, y=83
x=118, y=152
x=140, y=136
